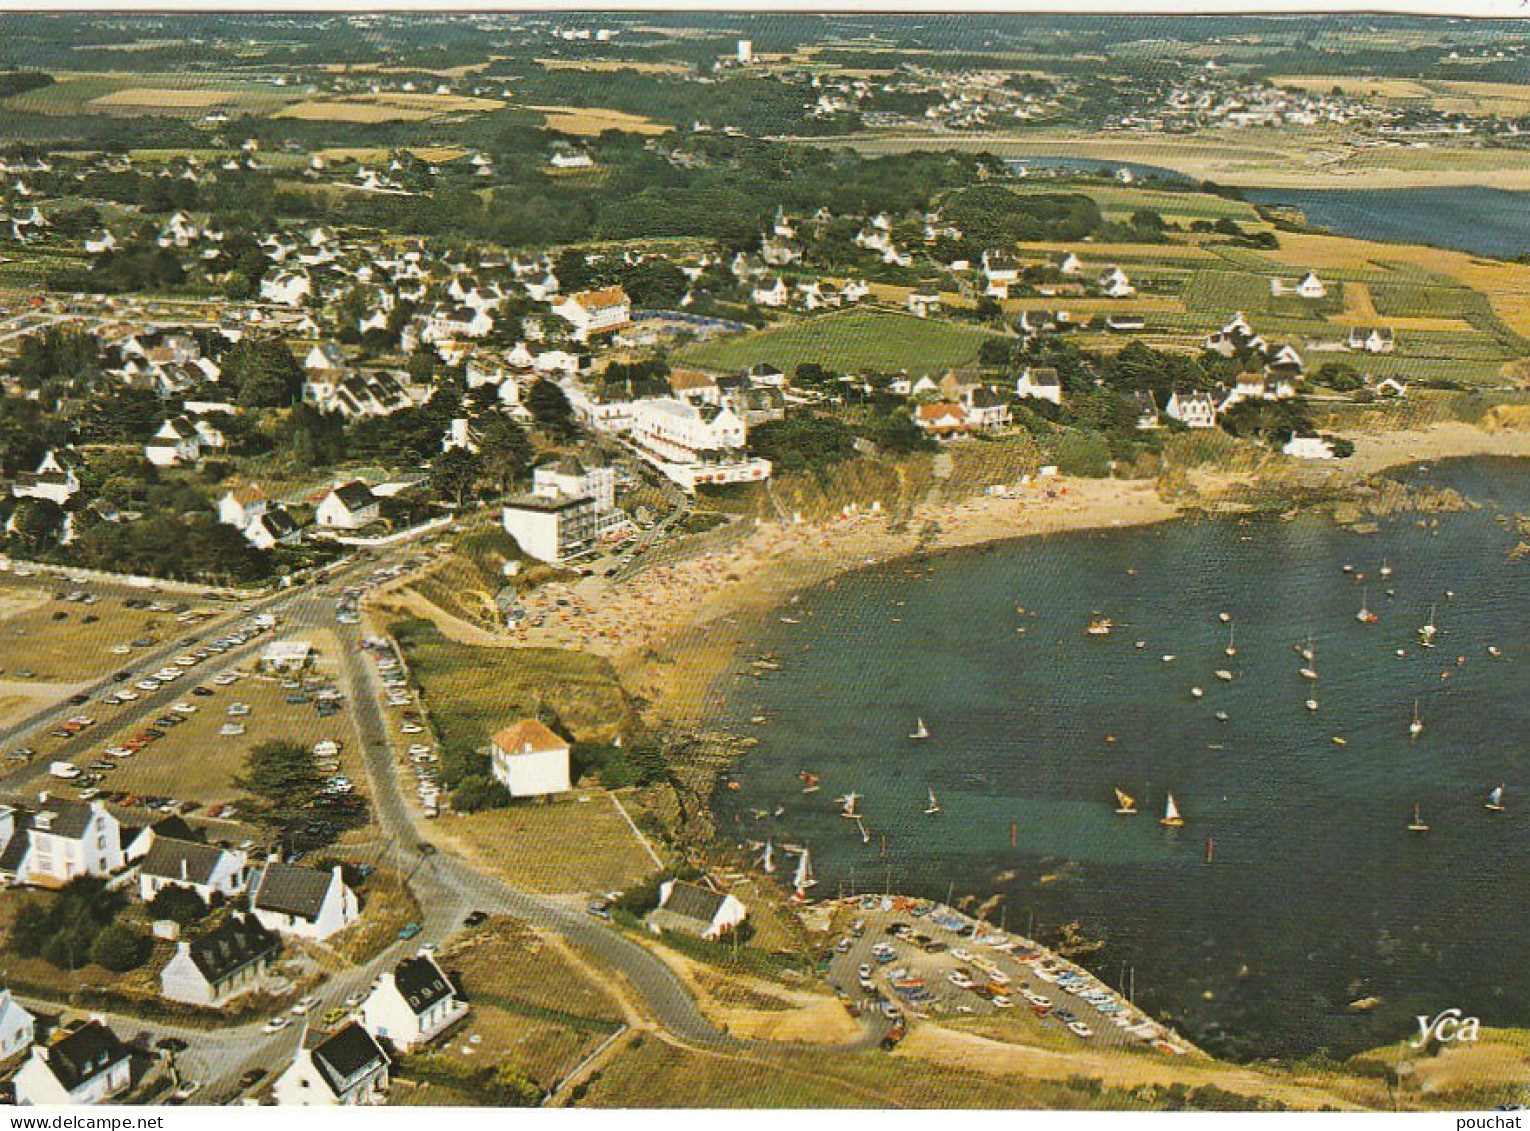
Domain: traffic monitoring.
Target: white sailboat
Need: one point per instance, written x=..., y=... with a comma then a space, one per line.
x=1494, y=803
x=809, y=782
x=804, y=880
x=1224, y=675
x=1428, y=630
x=849, y=802
x=1312, y=702
x=1385, y=570
x=1418, y=825
x=768, y=859
x=1416, y=727
x=1171, y=816
x=1231, y=649
x=920, y=730
x=1197, y=692
x=933, y=807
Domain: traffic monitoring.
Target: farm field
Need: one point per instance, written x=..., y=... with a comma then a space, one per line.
x=581, y=121
x=147, y=94
x=367, y=108
x=859, y=339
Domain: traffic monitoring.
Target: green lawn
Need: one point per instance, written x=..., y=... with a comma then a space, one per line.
x=853, y=341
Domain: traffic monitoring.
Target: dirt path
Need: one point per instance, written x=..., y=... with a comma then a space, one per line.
x=967, y=1051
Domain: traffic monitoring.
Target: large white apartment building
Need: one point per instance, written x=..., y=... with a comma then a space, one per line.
x=694, y=444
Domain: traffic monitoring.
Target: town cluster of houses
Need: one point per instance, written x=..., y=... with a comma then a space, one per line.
x=62, y=840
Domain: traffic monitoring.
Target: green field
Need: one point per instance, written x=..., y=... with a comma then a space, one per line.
x=856, y=340
x=134, y=95
x=1119, y=201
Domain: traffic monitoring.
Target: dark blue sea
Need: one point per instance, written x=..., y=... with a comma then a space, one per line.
x=1317, y=896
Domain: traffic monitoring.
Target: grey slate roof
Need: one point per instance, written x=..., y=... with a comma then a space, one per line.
x=345, y=1056
x=237, y=942
x=421, y=982
x=691, y=902
x=291, y=890
x=87, y=1052
x=188, y=861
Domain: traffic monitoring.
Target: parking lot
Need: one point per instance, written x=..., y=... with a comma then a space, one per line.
x=914, y=958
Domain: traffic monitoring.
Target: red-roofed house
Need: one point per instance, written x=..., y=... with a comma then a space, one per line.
x=530, y=760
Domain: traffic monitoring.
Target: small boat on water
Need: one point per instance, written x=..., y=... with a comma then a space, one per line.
x=1171, y=817
x=1428, y=631
x=865, y=836
x=849, y=803
x=1197, y=692
x=1169, y=657
x=920, y=730
x=1309, y=673
x=1100, y=626
x=1495, y=651
x=1494, y=803
x=1416, y=727
x=1306, y=651
x=790, y=620
x=1126, y=805
x=1221, y=716
x=809, y=782
x=1224, y=675
x=1365, y=616
x=1225, y=618
x=1385, y=570
x=1232, y=648
x=933, y=807
x=1417, y=825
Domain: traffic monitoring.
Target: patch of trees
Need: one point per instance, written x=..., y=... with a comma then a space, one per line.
x=19, y=82
x=618, y=767
x=629, y=380
x=179, y=904
x=56, y=355
x=79, y=925
x=283, y=775
x=994, y=216
x=263, y=372
x=805, y=442
x=193, y=546
x=123, y=271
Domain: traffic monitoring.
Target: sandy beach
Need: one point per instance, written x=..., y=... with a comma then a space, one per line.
x=673, y=629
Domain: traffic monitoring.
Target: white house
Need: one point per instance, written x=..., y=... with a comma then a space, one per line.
x=177, y=441
x=1372, y=339
x=1071, y=266
x=286, y=288
x=1312, y=287
x=348, y=507
x=1193, y=410
x=229, y=961
x=942, y=419
x=204, y=868
x=774, y=295
x=239, y=506
x=696, y=910
x=922, y=304
x=302, y=901
x=101, y=243
x=17, y=1026
x=530, y=760
x=1040, y=383
x=344, y=1068
x=592, y=313
x=54, y=479
x=62, y=841
x=271, y=528
x=89, y=1066
x=413, y=1003
x=985, y=408
x=1115, y=283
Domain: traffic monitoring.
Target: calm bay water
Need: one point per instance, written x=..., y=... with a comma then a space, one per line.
x=1482, y=221
x=1318, y=895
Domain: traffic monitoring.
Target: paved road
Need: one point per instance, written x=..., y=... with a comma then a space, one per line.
x=446, y=888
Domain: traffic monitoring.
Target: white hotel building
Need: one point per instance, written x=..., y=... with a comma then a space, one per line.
x=694, y=444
